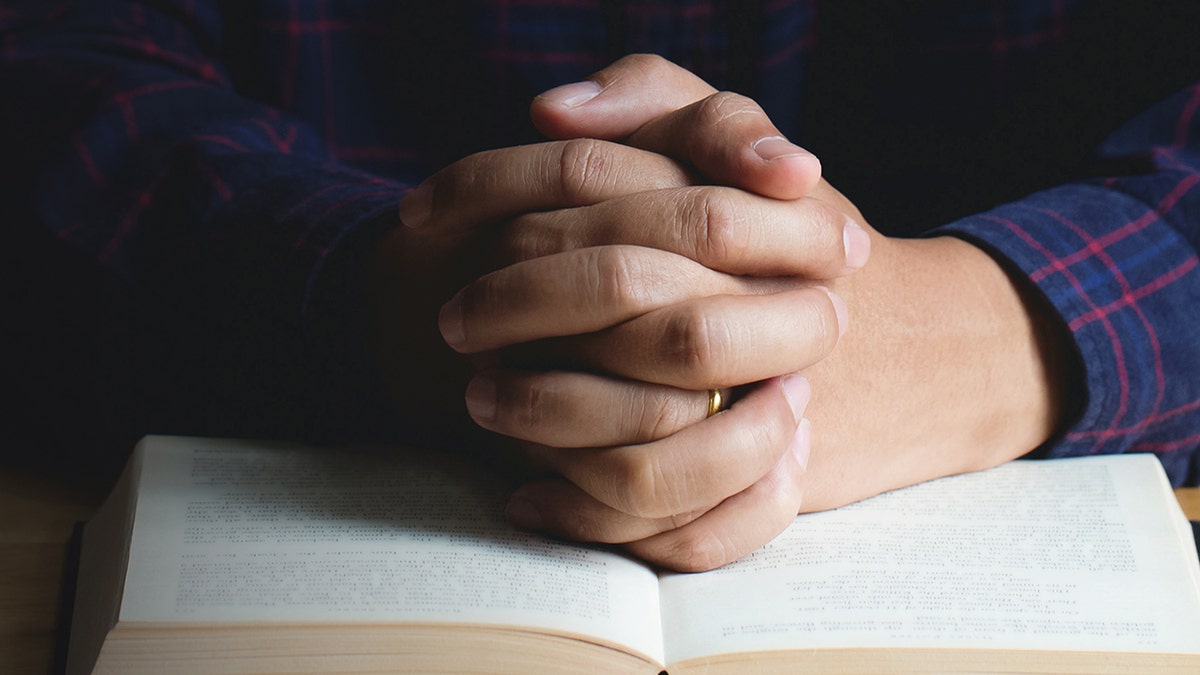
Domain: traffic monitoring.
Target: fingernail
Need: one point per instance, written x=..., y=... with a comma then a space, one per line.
x=417, y=205
x=839, y=306
x=523, y=514
x=857, y=243
x=481, y=398
x=450, y=322
x=797, y=391
x=572, y=95
x=776, y=147
x=802, y=443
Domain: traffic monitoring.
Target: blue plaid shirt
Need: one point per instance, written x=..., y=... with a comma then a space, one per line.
x=216, y=154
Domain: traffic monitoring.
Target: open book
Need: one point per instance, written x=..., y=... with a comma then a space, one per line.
x=221, y=556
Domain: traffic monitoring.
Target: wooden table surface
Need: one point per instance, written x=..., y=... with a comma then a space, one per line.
x=1189, y=499
x=37, y=516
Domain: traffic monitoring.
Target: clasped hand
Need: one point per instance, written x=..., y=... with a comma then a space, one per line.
x=670, y=241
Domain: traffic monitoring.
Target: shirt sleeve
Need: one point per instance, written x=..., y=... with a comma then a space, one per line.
x=124, y=135
x=1117, y=258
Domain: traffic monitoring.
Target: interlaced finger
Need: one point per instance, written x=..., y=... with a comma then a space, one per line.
x=575, y=292
x=722, y=228
x=696, y=467
x=717, y=341
x=570, y=409
x=496, y=185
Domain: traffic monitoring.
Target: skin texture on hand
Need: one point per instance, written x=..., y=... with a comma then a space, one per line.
x=644, y=101
x=954, y=364
x=711, y=534
x=680, y=490
x=941, y=318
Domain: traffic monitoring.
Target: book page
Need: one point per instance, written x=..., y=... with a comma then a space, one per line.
x=242, y=531
x=1076, y=554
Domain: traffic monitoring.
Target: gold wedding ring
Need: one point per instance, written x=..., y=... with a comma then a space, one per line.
x=716, y=402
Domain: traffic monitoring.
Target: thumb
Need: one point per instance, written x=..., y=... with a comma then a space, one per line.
x=616, y=101
x=655, y=105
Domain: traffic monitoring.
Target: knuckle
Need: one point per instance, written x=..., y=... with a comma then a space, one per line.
x=661, y=415
x=530, y=409
x=721, y=235
x=698, y=551
x=651, y=66
x=758, y=431
x=584, y=525
x=615, y=279
x=696, y=344
x=768, y=436
x=722, y=106
x=583, y=170
x=762, y=435
x=828, y=223
x=643, y=490
x=482, y=298
x=466, y=175
x=525, y=238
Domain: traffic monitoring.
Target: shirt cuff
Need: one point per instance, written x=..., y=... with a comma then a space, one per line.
x=1110, y=269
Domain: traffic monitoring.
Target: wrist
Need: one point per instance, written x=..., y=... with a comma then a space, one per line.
x=1054, y=389
x=951, y=364
x=1031, y=366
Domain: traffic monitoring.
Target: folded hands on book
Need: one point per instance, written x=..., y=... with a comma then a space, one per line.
x=692, y=248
